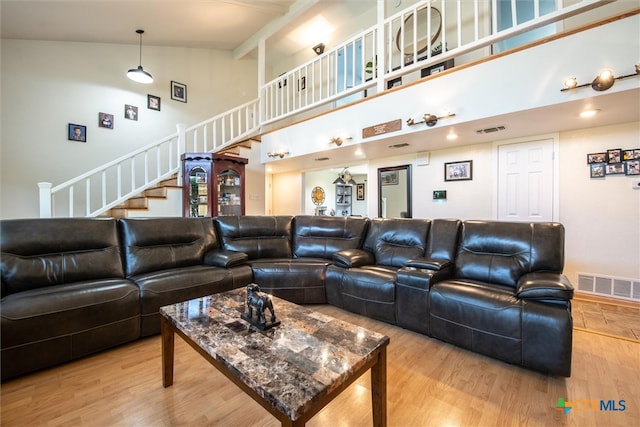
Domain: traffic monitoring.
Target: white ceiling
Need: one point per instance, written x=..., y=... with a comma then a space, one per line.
x=211, y=24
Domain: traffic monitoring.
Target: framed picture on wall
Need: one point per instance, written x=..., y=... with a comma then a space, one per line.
x=153, y=102
x=596, y=158
x=458, y=171
x=360, y=191
x=77, y=132
x=178, y=91
x=614, y=155
x=105, y=120
x=597, y=170
x=632, y=167
x=614, y=169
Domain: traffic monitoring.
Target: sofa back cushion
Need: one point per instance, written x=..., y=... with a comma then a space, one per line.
x=257, y=236
x=442, y=242
x=151, y=244
x=501, y=252
x=322, y=236
x=394, y=241
x=53, y=251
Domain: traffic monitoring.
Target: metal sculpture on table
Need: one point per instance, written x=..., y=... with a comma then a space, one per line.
x=259, y=302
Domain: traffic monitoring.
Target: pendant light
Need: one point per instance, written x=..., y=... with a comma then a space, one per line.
x=138, y=74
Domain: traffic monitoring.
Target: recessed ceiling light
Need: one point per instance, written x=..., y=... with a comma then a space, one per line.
x=586, y=114
x=452, y=136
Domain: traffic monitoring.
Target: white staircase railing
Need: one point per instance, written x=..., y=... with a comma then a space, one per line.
x=401, y=44
x=96, y=191
x=411, y=40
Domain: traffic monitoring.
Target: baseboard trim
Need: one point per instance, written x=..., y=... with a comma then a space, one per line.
x=583, y=296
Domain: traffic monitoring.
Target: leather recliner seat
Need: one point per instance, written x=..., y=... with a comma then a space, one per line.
x=506, y=297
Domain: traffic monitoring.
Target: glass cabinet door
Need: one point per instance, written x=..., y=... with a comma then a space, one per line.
x=198, y=193
x=229, y=193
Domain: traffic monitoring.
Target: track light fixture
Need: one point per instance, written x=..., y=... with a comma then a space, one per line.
x=274, y=154
x=338, y=140
x=318, y=49
x=139, y=74
x=429, y=119
x=603, y=81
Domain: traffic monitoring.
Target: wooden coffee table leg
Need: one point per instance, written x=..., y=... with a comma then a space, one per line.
x=168, y=337
x=379, y=389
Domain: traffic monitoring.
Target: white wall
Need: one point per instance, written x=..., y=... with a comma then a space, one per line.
x=46, y=85
x=601, y=216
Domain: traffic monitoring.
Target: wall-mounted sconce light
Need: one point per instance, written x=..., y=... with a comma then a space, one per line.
x=345, y=178
x=603, y=81
x=318, y=49
x=338, y=140
x=274, y=154
x=139, y=74
x=428, y=119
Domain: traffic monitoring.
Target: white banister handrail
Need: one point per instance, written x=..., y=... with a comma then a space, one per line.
x=337, y=75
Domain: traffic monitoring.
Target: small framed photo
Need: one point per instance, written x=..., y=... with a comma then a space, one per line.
x=632, y=167
x=302, y=83
x=359, y=191
x=77, y=132
x=458, y=171
x=614, y=155
x=394, y=82
x=178, y=91
x=389, y=178
x=153, y=102
x=130, y=112
x=105, y=120
x=597, y=170
x=436, y=68
x=631, y=154
x=614, y=169
x=596, y=158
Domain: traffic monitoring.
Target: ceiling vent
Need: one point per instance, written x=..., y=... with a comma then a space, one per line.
x=491, y=130
x=400, y=145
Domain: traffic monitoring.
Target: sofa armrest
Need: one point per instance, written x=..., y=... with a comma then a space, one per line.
x=349, y=258
x=429, y=263
x=224, y=258
x=544, y=287
x=422, y=278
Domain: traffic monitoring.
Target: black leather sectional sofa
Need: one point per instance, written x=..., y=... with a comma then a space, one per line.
x=75, y=286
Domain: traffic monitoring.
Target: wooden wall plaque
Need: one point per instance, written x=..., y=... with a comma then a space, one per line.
x=382, y=128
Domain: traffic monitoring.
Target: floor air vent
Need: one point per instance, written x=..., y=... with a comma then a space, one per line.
x=615, y=287
x=491, y=130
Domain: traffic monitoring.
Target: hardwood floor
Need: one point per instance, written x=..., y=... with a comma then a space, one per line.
x=430, y=383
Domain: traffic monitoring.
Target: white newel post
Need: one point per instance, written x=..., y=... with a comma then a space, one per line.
x=182, y=138
x=45, y=199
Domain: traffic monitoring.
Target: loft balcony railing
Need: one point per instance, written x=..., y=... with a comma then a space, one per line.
x=426, y=34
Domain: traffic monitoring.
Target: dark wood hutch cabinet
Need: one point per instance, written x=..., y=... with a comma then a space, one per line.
x=212, y=185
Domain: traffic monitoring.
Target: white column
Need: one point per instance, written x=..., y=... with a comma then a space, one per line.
x=45, y=199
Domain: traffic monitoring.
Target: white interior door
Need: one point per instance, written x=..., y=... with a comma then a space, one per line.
x=526, y=181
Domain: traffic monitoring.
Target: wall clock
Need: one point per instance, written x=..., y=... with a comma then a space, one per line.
x=317, y=196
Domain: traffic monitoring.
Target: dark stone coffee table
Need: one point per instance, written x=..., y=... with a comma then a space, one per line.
x=292, y=370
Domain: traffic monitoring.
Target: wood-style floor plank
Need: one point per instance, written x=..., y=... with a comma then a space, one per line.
x=429, y=383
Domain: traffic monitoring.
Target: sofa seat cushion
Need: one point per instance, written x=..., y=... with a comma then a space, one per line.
x=46, y=326
x=322, y=236
x=482, y=317
x=163, y=287
x=298, y=280
x=367, y=290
